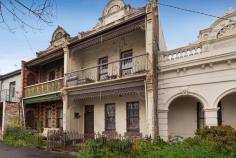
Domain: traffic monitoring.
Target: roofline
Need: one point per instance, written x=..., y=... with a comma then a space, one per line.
x=10, y=74
x=102, y=31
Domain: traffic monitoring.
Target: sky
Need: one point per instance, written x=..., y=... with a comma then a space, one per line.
x=180, y=28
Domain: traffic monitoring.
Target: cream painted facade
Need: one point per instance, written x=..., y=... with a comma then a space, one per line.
x=204, y=71
x=128, y=77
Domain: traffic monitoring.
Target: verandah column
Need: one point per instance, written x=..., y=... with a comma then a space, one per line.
x=66, y=109
x=211, y=117
x=163, y=124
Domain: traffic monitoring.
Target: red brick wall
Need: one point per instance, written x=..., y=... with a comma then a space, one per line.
x=40, y=113
x=11, y=114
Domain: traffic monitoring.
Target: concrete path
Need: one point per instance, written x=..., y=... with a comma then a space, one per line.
x=12, y=152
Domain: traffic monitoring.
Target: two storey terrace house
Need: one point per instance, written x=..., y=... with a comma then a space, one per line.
x=110, y=73
x=10, y=99
x=42, y=80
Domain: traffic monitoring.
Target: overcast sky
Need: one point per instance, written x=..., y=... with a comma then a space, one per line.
x=180, y=28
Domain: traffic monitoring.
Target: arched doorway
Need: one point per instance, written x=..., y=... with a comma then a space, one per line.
x=30, y=119
x=227, y=110
x=185, y=115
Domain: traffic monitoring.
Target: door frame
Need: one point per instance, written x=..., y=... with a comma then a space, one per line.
x=92, y=107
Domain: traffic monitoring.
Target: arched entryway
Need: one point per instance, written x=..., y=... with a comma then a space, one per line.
x=185, y=115
x=227, y=110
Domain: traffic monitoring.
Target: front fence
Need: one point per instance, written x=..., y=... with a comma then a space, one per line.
x=65, y=140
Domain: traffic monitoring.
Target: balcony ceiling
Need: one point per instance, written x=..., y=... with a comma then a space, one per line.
x=129, y=88
x=43, y=60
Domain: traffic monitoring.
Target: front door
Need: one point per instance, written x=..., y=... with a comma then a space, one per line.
x=30, y=119
x=89, y=120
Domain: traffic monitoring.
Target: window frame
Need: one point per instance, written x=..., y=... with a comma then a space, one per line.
x=125, y=59
x=100, y=67
x=130, y=118
x=49, y=75
x=107, y=118
x=59, y=117
x=12, y=89
x=49, y=119
x=200, y=116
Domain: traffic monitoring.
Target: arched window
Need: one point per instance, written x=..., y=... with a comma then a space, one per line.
x=31, y=79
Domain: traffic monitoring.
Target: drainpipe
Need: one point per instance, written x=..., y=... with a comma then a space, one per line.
x=146, y=100
x=23, y=112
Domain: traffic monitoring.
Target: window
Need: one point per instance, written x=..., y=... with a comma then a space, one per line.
x=219, y=114
x=103, y=68
x=126, y=63
x=133, y=117
x=60, y=118
x=52, y=75
x=110, y=117
x=12, y=89
x=49, y=118
x=200, y=116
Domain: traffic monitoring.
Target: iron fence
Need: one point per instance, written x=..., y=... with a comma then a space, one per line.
x=66, y=140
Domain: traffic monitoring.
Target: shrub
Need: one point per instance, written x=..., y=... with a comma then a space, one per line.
x=222, y=138
x=22, y=137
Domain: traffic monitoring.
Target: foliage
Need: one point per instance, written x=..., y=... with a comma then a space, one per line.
x=222, y=138
x=210, y=142
x=19, y=136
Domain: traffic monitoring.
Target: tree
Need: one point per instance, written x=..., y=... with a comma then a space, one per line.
x=24, y=13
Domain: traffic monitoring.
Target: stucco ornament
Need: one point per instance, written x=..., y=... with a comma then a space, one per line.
x=113, y=6
x=185, y=91
x=58, y=35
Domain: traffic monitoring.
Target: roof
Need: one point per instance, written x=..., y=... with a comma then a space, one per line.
x=11, y=74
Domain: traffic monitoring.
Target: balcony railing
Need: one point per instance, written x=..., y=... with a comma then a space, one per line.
x=130, y=66
x=44, y=88
x=191, y=50
x=7, y=95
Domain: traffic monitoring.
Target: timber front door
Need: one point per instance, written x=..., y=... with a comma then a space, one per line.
x=89, y=120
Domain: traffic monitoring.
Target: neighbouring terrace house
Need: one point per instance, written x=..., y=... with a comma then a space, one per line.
x=110, y=73
x=10, y=97
x=197, y=83
x=42, y=80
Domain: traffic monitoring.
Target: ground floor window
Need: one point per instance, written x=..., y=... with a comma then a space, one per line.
x=133, y=117
x=60, y=118
x=219, y=114
x=49, y=118
x=110, y=117
x=200, y=116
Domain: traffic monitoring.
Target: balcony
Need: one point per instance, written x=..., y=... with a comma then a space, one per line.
x=123, y=68
x=6, y=95
x=44, y=88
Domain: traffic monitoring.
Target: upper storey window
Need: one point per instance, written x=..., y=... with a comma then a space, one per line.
x=126, y=63
x=103, y=68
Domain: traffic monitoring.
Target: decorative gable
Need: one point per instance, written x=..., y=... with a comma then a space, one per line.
x=114, y=10
x=58, y=36
x=224, y=26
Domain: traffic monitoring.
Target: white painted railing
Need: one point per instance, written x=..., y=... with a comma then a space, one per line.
x=183, y=52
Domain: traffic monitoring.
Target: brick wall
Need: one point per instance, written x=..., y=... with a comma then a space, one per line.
x=40, y=113
x=11, y=114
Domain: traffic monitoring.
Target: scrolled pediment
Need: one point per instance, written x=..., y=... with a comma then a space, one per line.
x=227, y=30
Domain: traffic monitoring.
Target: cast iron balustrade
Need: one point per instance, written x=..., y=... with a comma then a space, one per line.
x=6, y=95
x=192, y=50
x=44, y=88
x=131, y=66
